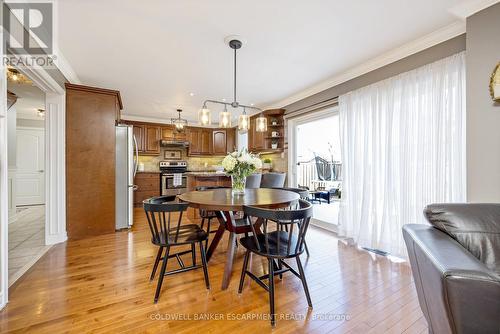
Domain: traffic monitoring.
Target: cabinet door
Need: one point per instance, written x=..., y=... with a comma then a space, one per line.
x=193, y=137
x=152, y=142
x=219, y=142
x=167, y=133
x=206, y=141
x=139, y=137
x=231, y=140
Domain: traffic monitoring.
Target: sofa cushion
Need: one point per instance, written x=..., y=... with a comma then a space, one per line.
x=475, y=226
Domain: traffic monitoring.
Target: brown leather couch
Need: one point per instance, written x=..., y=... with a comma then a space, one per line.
x=456, y=267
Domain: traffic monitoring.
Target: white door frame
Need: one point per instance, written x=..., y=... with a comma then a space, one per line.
x=55, y=167
x=292, y=137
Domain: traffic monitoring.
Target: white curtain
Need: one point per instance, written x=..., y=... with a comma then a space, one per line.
x=403, y=147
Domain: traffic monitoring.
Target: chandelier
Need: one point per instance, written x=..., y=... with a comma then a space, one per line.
x=179, y=123
x=14, y=75
x=204, y=115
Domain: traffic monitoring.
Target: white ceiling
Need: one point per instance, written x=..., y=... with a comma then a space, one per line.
x=157, y=52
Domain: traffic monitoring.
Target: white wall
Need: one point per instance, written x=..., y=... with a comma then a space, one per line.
x=483, y=115
x=242, y=140
x=11, y=136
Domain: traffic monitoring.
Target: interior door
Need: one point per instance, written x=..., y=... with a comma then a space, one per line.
x=30, y=176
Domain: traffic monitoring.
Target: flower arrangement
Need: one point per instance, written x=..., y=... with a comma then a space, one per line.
x=240, y=165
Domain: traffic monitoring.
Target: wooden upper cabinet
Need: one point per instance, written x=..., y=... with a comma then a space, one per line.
x=152, y=140
x=231, y=140
x=256, y=140
x=139, y=135
x=206, y=141
x=219, y=141
x=167, y=133
x=193, y=137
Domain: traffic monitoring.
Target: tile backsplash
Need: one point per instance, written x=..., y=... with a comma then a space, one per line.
x=279, y=163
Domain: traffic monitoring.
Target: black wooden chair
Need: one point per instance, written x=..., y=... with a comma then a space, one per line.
x=304, y=194
x=207, y=215
x=168, y=231
x=276, y=244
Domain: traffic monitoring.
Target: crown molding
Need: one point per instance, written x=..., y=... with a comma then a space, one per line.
x=64, y=66
x=441, y=35
x=467, y=8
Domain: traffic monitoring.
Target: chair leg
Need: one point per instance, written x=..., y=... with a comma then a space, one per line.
x=157, y=260
x=280, y=266
x=243, y=271
x=304, y=282
x=162, y=274
x=271, y=291
x=193, y=254
x=203, y=223
x=204, y=262
x=307, y=249
x=208, y=232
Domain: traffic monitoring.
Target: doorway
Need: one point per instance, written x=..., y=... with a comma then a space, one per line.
x=26, y=148
x=316, y=164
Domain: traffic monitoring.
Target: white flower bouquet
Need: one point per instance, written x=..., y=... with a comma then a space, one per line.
x=240, y=165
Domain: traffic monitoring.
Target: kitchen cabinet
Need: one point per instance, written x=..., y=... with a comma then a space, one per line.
x=148, y=185
x=219, y=142
x=91, y=115
x=168, y=132
x=138, y=131
x=151, y=140
x=261, y=142
x=200, y=141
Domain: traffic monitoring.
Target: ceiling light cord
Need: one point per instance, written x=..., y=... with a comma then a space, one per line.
x=234, y=92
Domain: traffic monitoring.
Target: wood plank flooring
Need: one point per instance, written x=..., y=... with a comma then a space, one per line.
x=101, y=285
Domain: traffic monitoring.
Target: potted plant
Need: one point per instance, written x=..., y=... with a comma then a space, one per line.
x=267, y=163
x=240, y=165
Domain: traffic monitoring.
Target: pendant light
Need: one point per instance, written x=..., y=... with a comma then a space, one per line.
x=179, y=123
x=204, y=115
x=225, y=118
x=261, y=123
x=244, y=122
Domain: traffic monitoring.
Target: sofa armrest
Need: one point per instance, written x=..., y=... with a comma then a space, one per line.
x=457, y=292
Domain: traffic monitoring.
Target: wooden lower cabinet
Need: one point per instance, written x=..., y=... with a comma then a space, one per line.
x=200, y=180
x=148, y=185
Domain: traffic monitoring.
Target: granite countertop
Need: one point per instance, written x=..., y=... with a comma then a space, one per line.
x=205, y=173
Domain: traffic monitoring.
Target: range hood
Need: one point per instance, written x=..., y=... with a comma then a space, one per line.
x=174, y=143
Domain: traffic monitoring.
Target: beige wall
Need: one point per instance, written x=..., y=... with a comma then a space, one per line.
x=483, y=115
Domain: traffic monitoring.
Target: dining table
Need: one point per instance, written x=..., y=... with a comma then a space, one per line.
x=228, y=208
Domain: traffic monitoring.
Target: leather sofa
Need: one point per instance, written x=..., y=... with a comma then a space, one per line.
x=456, y=267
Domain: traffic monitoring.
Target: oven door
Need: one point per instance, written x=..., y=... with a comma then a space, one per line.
x=168, y=188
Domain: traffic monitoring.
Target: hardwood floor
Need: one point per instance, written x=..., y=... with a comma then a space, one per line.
x=101, y=285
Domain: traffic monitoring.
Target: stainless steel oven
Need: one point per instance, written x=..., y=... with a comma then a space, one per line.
x=173, y=178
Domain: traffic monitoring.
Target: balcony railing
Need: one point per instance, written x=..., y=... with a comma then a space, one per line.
x=307, y=174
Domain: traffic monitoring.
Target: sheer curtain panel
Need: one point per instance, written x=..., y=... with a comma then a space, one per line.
x=403, y=147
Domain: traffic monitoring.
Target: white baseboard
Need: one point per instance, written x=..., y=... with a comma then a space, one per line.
x=325, y=226
x=55, y=239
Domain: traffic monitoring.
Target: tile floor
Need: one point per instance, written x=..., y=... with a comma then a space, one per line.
x=26, y=240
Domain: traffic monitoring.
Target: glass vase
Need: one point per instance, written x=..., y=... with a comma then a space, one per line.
x=238, y=185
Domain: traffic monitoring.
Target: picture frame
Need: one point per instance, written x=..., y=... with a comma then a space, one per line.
x=495, y=84
x=172, y=154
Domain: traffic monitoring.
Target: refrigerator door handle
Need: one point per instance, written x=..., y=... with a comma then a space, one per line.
x=136, y=156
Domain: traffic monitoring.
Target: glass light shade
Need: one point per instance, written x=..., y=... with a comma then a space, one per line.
x=179, y=124
x=244, y=123
x=261, y=124
x=204, y=116
x=225, y=119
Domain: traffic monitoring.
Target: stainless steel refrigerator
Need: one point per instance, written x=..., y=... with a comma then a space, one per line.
x=126, y=168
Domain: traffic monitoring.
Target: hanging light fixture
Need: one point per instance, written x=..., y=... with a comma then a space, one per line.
x=244, y=122
x=179, y=123
x=261, y=123
x=14, y=75
x=225, y=118
x=204, y=116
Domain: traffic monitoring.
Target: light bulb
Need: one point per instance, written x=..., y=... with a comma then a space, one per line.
x=204, y=116
x=225, y=119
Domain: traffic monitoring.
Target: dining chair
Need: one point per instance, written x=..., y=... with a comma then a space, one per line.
x=167, y=231
x=253, y=181
x=303, y=194
x=275, y=244
x=207, y=215
x=273, y=180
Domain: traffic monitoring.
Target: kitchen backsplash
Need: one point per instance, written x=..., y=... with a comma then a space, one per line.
x=206, y=163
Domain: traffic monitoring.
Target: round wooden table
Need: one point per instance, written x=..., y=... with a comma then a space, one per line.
x=224, y=204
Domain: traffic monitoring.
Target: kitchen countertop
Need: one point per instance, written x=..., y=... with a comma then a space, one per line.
x=205, y=174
